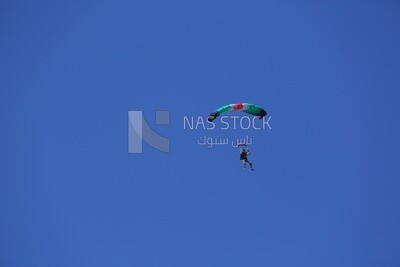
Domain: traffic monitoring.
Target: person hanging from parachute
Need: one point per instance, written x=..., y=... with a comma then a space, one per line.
x=251, y=109
x=244, y=152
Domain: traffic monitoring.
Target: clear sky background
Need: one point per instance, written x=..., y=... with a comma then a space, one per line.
x=325, y=190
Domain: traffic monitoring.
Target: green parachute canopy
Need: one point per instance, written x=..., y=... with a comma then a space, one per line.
x=245, y=107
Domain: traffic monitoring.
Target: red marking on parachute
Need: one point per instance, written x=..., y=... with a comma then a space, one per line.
x=238, y=107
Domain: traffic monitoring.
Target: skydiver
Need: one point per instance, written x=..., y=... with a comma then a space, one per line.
x=243, y=157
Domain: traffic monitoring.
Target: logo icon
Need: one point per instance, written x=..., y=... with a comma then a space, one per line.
x=139, y=131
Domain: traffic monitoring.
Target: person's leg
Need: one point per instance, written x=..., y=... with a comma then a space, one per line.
x=251, y=165
x=244, y=164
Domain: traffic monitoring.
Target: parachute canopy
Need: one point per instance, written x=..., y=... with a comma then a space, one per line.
x=245, y=107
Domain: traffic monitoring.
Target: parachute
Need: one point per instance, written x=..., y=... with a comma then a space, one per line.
x=245, y=107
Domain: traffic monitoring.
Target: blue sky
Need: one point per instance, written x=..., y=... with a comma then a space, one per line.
x=325, y=189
